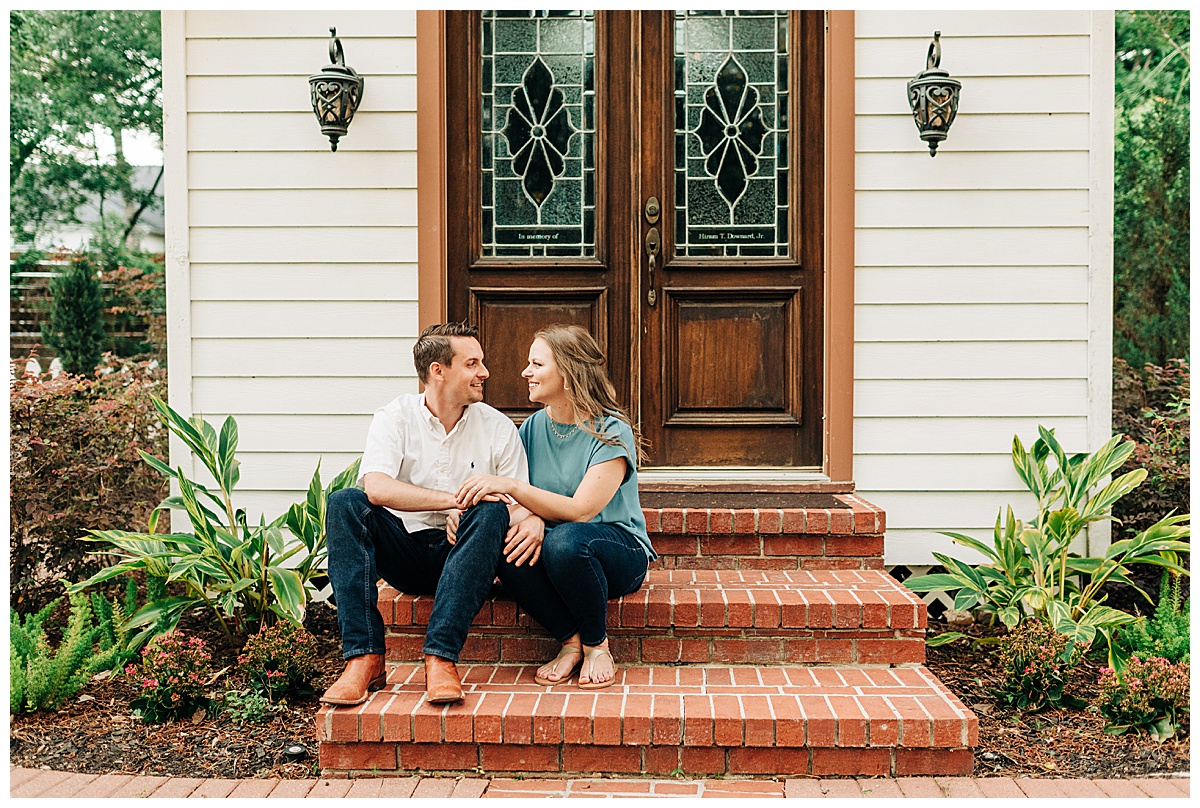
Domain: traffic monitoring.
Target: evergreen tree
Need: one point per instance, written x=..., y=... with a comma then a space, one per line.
x=76, y=326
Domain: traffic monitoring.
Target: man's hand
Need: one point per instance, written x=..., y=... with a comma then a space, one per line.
x=524, y=541
x=485, y=487
x=452, y=518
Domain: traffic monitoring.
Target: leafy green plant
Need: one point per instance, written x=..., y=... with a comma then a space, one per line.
x=1031, y=570
x=174, y=671
x=41, y=678
x=75, y=467
x=1037, y=663
x=279, y=660
x=1152, y=405
x=247, y=575
x=1152, y=185
x=113, y=633
x=1150, y=694
x=249, y=706
x=1168, y=633
x=76, y=325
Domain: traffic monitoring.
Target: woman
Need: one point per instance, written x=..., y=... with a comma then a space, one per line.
x=583, y=456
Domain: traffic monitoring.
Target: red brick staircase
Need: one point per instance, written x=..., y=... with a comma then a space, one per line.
x=765, y=641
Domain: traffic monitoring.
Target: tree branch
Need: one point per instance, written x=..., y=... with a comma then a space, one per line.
x=146, y=200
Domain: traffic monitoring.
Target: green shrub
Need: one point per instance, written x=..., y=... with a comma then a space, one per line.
x=1168, y=633
x=280, y=660
x=41, y=678
x=1152, y=407
x=1031, y=569
x=246, y=575
x=249, y=707
x=1037, y=665
x=1152, y=185
x=1150, y=695
x=74, y=467
x=75, y=328
x=174, y=672
x=112, y=618
x=135, y=301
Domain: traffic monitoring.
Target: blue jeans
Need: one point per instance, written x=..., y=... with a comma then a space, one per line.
x=367, y=542
x=582, y=565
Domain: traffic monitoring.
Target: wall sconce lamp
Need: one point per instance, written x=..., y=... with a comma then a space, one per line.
x=933, y=97
x=336, y=93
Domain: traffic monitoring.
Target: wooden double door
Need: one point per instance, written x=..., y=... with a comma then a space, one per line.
x=658, y=178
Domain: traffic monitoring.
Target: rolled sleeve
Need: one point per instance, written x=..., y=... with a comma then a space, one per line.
x=603, y=452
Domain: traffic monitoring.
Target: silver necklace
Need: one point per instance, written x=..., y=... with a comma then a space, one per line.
x=560, y=435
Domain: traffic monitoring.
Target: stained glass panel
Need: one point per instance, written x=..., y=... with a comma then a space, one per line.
x=537, y=160
x=731, y=100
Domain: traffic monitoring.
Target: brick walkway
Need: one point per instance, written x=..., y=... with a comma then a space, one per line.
x=41, y=783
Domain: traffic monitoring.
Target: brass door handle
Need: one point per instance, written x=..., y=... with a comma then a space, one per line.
x=653, y=244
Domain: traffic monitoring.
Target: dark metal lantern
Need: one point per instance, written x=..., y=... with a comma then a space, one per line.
x=336, y=93
x=933, y=97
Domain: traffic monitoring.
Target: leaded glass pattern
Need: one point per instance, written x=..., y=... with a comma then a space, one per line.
x=538, y=134
x=731, y=133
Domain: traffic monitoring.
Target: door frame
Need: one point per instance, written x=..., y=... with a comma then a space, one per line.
x=838, y=359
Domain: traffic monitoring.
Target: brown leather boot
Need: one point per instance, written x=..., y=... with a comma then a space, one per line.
x=441, y=681
x=363, y=674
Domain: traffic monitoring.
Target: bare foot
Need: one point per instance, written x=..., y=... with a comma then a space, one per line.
x=562, y=666
x=597, y=669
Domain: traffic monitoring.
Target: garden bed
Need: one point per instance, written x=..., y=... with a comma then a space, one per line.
x=95, y=732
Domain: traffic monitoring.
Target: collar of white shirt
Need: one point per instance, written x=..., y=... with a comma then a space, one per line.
x=435, y=423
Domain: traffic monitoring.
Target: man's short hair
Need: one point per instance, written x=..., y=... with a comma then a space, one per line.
x=434, y=346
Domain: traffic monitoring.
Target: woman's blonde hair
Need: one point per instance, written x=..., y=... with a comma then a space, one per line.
x=581, y=363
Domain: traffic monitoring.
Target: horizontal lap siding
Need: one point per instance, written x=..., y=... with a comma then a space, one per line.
x=972, y=268
x=303, y=262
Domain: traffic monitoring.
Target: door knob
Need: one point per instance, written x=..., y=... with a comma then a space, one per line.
x=653, y=243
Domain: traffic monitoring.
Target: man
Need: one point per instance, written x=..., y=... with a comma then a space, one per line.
x=420, y=447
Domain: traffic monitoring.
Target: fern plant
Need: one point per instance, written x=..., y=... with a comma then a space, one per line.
x=1168, y=633
x=42, y=678
x=112, y=620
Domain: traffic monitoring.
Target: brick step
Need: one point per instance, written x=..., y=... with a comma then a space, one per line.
x=846, y=535
x=656, y=720
x=840, y=617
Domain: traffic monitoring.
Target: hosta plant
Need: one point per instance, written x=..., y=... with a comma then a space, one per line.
x=248, y=575
x=1031, y=569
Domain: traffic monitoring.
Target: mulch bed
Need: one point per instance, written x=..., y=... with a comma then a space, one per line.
x=96, y=734
x=1051, y=743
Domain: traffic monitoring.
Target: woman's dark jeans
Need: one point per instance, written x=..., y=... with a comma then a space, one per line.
x=367, y=542
x=582, y=565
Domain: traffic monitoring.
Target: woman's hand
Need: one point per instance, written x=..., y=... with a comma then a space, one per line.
x=483, y=487
x=524, y=541
x=452, y=518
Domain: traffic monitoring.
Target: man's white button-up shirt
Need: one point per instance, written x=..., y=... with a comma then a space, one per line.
x=407, y=441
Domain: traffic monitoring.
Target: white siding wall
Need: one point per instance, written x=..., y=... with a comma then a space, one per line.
x=296, y=267
x=982, y=276
x=976, y=316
